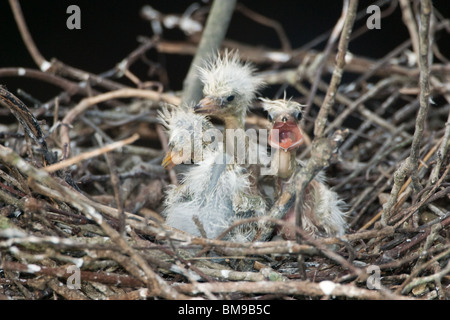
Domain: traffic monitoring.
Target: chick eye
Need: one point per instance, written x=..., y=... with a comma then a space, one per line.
x=269, y=116
x=230, y=98
x=299, y=116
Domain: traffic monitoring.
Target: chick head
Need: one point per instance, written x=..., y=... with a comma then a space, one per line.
x=229, y=86
x=285, y=116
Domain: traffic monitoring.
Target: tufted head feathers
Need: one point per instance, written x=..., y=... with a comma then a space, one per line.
x=185, y=130
x=229, y=86
x=285, y=116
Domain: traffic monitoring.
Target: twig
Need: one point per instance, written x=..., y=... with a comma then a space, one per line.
x=64, y=291
x=115, y=182
x=323, y=150
x=324, y=57
x=319, y=125
x=153, y=281
x=409, y=166
x=442, y=152
x=26, y=36
x=306, y=239
x=423, y=266
x=94, y=153
x=424, y=200
x=410, y=22
x=69, y=87
x=301, y=288
x=434, y=277
x=61, y=272
x=27, y=120
x=121, y=93
x=285, y=43
x=402, y=189
x=357, y=104
x=398, y=250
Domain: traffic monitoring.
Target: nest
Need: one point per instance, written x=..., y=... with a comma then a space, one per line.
x=82, y=187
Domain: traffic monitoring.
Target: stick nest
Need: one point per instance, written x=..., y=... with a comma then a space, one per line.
x=95, y=218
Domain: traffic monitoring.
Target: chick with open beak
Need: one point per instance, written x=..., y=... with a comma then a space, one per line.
x=322, y=209
x=285, y=134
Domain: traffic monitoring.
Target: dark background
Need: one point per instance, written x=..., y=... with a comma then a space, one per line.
x=109, y=31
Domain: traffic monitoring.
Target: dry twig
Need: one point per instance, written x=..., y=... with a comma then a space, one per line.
x=102, y=214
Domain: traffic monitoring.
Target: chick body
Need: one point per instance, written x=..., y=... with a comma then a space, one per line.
x=217, y=190
x=322, y=210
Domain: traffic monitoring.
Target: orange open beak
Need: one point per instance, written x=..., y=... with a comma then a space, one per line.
x=285, y=135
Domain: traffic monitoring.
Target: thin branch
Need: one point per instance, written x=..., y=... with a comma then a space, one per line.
x=278, y=27
x=410, y=22
x=26, y=36
x=94, y=153
x=153, y=281
x=115, y=182
x=84, y=104
x=319, y=125
x=442, y=152
x=292, y=288
x=324, y=57
x=27, y=120
x=434, y=277
x=410, y=165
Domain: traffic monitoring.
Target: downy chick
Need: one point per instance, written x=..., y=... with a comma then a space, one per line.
x=323, y=213
x=186, y=131
x=217, y=191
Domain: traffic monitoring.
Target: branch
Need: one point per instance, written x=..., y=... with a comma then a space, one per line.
x=323, y=149
x=442, y=152
x=61, y=272
x=26, y=36
x=278, y=27
x=324, y=57
x=94, y=153
x=434, y=277
x=69, y=87
x=27, y=120
x=410, y=22
x=319, y=125
x=291, y=288
x=84, y=104
x=156, y=284
x=410, y=165
x=213, y=35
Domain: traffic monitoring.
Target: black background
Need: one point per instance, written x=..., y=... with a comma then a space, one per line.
x=109, y=31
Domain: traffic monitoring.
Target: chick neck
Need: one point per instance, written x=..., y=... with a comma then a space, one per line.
x=232, y=122
x=286, y=163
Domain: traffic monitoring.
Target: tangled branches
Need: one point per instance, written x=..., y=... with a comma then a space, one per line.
x=82, y=186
